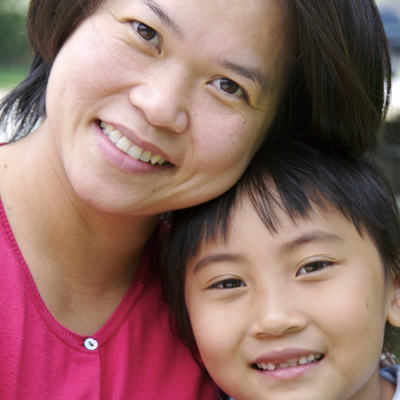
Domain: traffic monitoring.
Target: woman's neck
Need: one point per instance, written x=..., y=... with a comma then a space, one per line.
x=81, y=259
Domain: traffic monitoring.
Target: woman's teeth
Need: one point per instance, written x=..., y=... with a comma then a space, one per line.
x=293, y=362
x=126, y=146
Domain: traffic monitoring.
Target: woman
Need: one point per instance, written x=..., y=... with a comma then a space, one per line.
x=135, y=108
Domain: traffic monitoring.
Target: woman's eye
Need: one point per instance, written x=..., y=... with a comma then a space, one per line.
x=229, y=87
x=313, y=266
x=147, y=33
x=228, y=284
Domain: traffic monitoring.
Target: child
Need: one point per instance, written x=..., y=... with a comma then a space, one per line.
x=288, y=283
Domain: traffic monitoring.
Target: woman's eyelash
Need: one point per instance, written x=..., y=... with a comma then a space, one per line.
x=230, y=87
x=147, y=33
x=228, y=284
x=226, y=85
x=313, y=267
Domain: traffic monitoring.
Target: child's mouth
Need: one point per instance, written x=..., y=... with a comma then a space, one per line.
x=293, y=362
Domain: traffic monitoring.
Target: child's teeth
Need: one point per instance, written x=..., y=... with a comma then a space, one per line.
x=293, y=362
x=135, y=152
x=115, y=136
x=124, y=144
x=271, y=367
x=146, y=156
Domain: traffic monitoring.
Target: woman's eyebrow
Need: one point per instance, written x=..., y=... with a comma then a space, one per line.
x=164, y=17
x=251, y=73
x=218, y=258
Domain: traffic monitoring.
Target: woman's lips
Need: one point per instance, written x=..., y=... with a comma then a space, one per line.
x=126, y=146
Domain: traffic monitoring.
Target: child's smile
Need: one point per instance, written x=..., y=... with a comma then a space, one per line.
x=278, y=316
x=274, y=364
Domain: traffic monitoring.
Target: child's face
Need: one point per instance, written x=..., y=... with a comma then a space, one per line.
x=295, y=315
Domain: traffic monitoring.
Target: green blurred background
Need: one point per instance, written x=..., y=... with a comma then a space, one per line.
x=14, y=50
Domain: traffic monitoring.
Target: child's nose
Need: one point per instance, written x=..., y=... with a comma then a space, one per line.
x=276, y=313
x=162, y=97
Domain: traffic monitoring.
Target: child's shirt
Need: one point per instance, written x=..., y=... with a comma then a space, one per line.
x=392, y=374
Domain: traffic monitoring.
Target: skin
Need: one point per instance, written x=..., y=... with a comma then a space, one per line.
x=167, y=92
x=315, y=287
x=192, y=88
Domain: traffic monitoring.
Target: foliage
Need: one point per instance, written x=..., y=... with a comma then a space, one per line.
x=10, y=76
x=14, y=48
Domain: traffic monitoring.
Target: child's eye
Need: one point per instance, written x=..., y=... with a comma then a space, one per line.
x=147, y=33
x=228, y=284
x=313, y=266
x=229, y=87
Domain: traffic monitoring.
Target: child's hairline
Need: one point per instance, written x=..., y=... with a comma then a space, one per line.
x=220, y=233
x=354, y=188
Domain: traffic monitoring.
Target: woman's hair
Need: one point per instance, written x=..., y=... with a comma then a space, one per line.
x=339, y=87
x=49, y=24
x=294, y=178
x=337, y=92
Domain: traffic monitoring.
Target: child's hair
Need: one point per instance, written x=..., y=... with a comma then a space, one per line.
x=295, y=178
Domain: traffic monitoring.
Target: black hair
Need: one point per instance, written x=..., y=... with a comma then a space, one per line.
x=337, y=98
x=49, y=24
x=295, y=178
x=338, y=87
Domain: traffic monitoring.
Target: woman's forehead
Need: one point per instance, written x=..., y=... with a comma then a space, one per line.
x=251, y=25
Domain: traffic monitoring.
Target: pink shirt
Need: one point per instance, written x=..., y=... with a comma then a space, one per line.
x=133, y=356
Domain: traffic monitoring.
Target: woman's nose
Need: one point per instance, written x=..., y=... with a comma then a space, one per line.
x=276, y=313
x=162, y=97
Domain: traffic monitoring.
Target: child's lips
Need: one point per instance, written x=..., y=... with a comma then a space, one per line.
x=291, y=357
x=272, y=365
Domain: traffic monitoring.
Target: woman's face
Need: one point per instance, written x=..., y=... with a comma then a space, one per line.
x=196, y=83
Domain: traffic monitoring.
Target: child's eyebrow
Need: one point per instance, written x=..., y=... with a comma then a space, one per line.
x=218, y=258
x=317, y=236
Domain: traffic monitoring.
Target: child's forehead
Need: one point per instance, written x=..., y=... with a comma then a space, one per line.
x=276, y=216
x=250, y=246
x=246, y=220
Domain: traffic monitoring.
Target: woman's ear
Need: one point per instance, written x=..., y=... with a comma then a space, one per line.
x=394, y=308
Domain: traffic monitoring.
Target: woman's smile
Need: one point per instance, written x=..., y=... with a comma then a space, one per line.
x=179, y=104
x=127, y=147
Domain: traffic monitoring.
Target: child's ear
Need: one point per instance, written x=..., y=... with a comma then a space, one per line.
x=394, y=309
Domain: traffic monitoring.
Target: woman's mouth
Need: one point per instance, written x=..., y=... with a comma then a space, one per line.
x=126, y=146
x=293, y=362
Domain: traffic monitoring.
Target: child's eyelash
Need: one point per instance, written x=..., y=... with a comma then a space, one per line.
x=313, y=267
x=228, y=284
